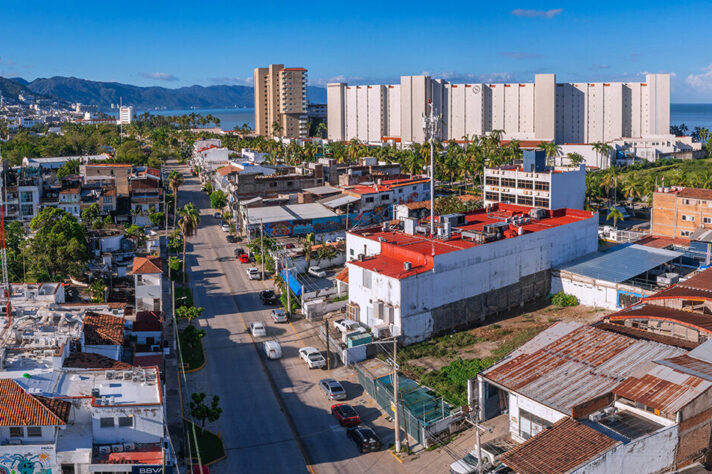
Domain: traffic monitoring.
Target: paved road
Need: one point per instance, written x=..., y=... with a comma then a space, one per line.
x=256, y=433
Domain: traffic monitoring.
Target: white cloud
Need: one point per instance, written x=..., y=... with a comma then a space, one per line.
x=159, y=76
x=537, y=13
x=702, y=81
x=233, y=80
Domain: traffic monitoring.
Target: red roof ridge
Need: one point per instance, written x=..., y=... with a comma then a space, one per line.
x=19, y=408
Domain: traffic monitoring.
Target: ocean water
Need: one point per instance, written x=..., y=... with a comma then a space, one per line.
x=229, y=118
x=692, y=115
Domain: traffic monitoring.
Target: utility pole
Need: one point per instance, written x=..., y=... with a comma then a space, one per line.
x=262, y=250
x=477, y=437
x=289, y=299
x=396, y=407
x=431, y=127
x=328, y=352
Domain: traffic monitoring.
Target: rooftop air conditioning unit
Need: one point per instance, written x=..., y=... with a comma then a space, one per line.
x=597, y=416
x=129, y=447
x=104, y=449
x=117, y=448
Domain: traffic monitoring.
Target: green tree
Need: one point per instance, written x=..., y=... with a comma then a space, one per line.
x=175, y=265
x=97, y=290
x=175, y=180
x=189, y=313
x=218, y=199
x=90, y=214
x=157, y=218
x=602, y=150
x=575, y=159
x=307, y=247
x=59, y=247
x=202, y=411
x=69, y=168
x=189, y=221
x=616, y=215
x=552, y=150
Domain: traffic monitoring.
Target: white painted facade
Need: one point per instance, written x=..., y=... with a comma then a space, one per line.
x=593, y=292
x=407, y=303
x=126, y=115
x=564, y=112
x=564, y=187
x=148, y=291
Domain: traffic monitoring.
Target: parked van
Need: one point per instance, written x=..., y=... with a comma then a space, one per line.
x=272, y=349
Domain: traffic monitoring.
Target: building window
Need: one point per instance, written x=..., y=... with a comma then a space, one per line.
x=492, y=180
x=17, y=432
x=125, y=421
x=530, y=425
x=26, y=196
x=492, y=196
x=510, y=198
x=509, y=182
x=538, y=202
x=366, y=279
x=685, y=233
x=369, y=199
x=687, y=218
x=541, y=185
x=707, y=220
x=106, y=422
x=525, y=184
x=34, y=431
x=688, y=202
x=107, y=199
x=524, y=200
x=384, y=197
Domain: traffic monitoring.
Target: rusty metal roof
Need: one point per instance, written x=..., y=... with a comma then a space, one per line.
x=583, y=364
x=560, y=449
x=699, y=321
x=698, y=287
x=664, y=388
x=650, y=336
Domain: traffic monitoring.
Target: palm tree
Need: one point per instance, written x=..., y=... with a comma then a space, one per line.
x=276, y=129
x=633, y=188
x=704, y=179
x=308, y=240
x=175, y=179
x=190, y=218
x=321, y=130
x=601, y=149
x=616, y=215
x=552, y=150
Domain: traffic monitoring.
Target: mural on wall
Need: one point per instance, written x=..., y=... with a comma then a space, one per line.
x=327, y=224
x=25, y=464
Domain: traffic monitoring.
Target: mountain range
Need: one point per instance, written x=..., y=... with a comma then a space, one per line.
x=103, y=94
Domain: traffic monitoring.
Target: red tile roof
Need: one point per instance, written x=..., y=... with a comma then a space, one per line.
x=89, y=360
x=149, y=360
x=19, y=408
x=111, y=165
x=691, y=193
x=70, y=191
x=148, y=321
x=103, y=329
x=226, y=170
x=343, y=275
x=144, y=184
x=561, y=448
x=144, y=265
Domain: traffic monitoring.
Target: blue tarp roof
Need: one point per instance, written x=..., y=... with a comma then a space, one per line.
x=620, y=263
x=293, y=282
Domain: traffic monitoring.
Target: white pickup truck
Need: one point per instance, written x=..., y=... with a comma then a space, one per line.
x=346, y=325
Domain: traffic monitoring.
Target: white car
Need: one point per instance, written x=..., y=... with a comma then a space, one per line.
x=225, y=228
x=346, y=325
x=253, y=273
x=316, y=272
x=312, y=356
x=272, y=349
x=257, y=329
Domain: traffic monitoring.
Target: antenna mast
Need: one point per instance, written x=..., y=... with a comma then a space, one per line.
x=431, y=127
x=3, y=255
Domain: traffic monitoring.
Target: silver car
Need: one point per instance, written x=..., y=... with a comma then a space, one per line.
x=332, y=389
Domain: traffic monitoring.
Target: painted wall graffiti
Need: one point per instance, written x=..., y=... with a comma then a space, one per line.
x=27, y=463
x=327, y=224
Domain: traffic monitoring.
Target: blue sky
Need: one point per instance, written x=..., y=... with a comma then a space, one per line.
x=174, y=44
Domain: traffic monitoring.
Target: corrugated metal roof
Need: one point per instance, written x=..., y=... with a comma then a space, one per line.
x=337, y=201
x=322, y=190
x=698, y=287
x=620, y=264
x=698, y=321
x=290, y=212
x=577, y=367
x=663, y=388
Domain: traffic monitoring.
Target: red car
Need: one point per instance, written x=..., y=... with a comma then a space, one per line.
x=346, y=414
x=244, y=258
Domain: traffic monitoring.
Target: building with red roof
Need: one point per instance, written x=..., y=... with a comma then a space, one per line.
x=148, y=277
x=476, y=265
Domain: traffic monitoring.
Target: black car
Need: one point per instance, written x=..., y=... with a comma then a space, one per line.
x=268, y=297
x=231, y=238
x=239, y=251
x=365, y=438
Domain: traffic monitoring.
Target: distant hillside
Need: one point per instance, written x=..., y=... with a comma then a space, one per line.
x=11, y=89
x=103, y=94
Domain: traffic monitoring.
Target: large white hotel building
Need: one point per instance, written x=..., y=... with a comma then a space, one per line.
x=541, y=110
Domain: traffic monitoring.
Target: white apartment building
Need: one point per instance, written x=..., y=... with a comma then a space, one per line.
x=543, y=109
x=544, y=187
x=126, y=114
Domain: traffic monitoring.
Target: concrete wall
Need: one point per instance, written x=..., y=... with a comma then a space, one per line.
x=592, y=292
x=517, y=402
x=545, y=106
x=650, y=454
x=107, y=350
x=147, y=424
